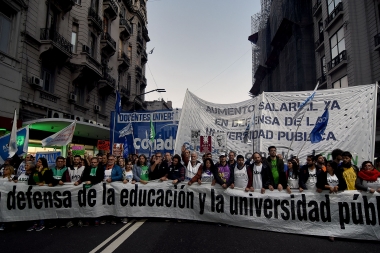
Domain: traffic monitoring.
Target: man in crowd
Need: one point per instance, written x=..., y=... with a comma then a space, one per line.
x=259, y=175
x=176, y=171
x=321, y=162
x=224, y=175
x=231, y=159
x=104, y=161
x=348, y=170
x=276, y=166
x=240, y=172
x=21, y=168
x=308, y=175
x=185, y=154
x=168, y=158
x=192, y=166
x=337, y=155
x=75, y=171
x=159, y=168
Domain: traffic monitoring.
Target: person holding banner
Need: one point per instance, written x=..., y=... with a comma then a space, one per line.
x=276, y=165
x=159, y=169
x=76, y=170
x=128, y=173
x=141, y=170
x=224, y=175
x=259, y=175
x=112, y=172
x=193, y=166
x=205, y=173
x=368, y=178
x=21, y=167
x=121, y=163
x=292, y=174
x=240, y=173
x=176, y=171
x=60, y=172
x=8, y=173
x=330, y=180
x=24, y=177
x=348, y=171
x=231, y=159
x=308, y=175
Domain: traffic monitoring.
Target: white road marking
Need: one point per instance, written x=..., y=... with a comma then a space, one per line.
x=111, y=237
x=115, y=244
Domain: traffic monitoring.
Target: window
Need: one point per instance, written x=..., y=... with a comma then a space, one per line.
x=132, y=28
x=74, y=38
x=337, y=43
x=106, y=25
x=6, y=14
x=120, y=47
x=130, y=52
x=323, y=66
x=102, y=102
x=138, y=29
x=95, y=5
x=52, y=20
x=332, y=4
x=341, y=83
x=47, y=74
x=80, y=91
x=137, y=87
x=92, y=44
x=320, y=28
x=122, y=12
x=129, y=83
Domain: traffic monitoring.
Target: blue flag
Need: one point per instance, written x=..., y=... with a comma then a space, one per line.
x=117, y=104
x=320, y=127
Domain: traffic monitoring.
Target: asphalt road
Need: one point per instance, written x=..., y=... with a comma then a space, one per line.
x=158, y=235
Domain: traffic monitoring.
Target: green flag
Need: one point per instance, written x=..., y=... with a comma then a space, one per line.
x=152, y=132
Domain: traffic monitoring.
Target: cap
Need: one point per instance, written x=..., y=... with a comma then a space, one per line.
x=222, y=154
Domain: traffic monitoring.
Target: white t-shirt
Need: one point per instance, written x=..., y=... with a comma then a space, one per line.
x=75, y=173
x=23, y=178
x=128, y=175
x=257, y=181
x=207, y=177
x=372, y=184
x=107, y=174
x=332, y=180
x=312, y=180
x=241, y=177
x=191, y=170
x=293, y=183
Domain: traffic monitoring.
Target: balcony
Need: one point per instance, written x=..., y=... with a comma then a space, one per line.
x=143, y=83
x=140, y=43
x=107, y=83
x=85, y=69
x=125, y=29
x=145, y=34
x=54, y=47
x=110, y=9
x=144, y=57
x=319, y=44
x=94, y=20
x=337, y=12
x=337, y=62
x=138, y=71
x=377, y=42
x=317, y=7
x=108, y=45
x=63, y=5
x=124, y=62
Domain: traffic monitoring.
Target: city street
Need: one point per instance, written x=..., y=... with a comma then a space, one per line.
x=159, y=235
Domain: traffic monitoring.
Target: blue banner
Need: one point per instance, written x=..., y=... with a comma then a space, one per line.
x=22, y=143
x=50, y=156
x=133, y=129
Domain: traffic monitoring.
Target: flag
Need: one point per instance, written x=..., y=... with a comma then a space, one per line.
x=251, y=123
x=151, y=51
x=302, y=107
x=12, y=145
x=117, y=103
x=320, y=127
x=61, y=138
x=152, y=131
x=127, y=130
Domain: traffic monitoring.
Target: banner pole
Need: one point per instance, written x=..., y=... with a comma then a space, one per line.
x=374, y=122
x=295, y=135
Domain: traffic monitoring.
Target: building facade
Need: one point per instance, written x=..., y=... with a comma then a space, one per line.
x=346, y=46
x=62, y=60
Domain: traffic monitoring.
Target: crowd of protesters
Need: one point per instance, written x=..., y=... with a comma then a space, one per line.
x=255, y=174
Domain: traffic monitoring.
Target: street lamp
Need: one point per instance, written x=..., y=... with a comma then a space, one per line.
x=134, y=100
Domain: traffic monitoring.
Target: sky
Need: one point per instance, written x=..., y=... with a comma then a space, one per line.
x=200, y=45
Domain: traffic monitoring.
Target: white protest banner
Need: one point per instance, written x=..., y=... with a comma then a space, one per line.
x=348, y=214
x=60, y=138
x=351, y=125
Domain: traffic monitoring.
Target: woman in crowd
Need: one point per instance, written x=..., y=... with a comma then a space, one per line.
x=8, y=173
x=330, y=180
x=292, y=174
x=141, y=170
x=24, y=176
x=368, y=178
x=128, y=173
x=204, y=173
x=41, y=176
x=152, y=159
x=121, y=163
x=176, y=171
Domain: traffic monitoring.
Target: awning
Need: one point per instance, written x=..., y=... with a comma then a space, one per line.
x=82, y=129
